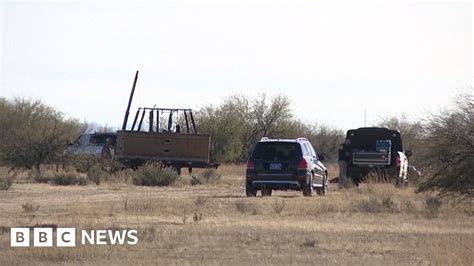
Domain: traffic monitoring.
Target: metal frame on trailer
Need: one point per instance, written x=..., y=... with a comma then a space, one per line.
x=151, y=111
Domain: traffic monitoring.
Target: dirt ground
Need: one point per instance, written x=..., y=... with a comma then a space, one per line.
x=216, y=224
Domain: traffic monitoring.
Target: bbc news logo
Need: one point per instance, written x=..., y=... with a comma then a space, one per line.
x=66, y=237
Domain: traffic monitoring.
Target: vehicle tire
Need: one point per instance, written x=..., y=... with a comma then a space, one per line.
x=250, y=190
x=308, y=190
x=266, y=192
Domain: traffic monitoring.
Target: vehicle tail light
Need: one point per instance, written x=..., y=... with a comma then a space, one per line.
x=250, y=165
x=303, y=164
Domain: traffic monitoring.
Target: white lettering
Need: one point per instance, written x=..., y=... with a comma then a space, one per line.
x=101, y=237
x=66, y=237
x=20, y=237
x=43, y=237
x=117, y=236
x=133, y=237
x=88, y=237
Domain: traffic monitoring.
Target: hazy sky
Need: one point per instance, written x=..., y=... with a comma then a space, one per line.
x=332, y=60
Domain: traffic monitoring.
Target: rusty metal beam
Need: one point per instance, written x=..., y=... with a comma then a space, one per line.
x=187, y=122
x=135, y=120
x=192, y=121
x=157, y=120
x=125, y=119
x=170, y=121
x=150, y=121
x=141, y=121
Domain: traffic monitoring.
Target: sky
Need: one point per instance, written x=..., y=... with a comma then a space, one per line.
x=340, y=64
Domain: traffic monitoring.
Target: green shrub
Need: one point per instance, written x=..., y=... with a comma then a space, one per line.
x=68, y=179
x=154, y=174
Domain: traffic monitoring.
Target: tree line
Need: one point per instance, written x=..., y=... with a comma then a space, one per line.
x=239, y=122
x=33, y=133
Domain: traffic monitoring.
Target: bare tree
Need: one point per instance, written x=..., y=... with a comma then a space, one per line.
x=448, y=156
x=411, y=132
x=264, y=120
x=325, y=139
x=239, y=122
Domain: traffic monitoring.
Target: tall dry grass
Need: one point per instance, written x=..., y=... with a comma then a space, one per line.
x=216, y=224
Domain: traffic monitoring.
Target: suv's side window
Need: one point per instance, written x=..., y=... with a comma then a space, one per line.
x=308, y=149
x=305, y=149
x=313, y=152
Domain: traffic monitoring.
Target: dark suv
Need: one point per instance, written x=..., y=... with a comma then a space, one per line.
x=285, y=164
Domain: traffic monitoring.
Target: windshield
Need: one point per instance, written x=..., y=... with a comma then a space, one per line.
x=277, y=151
x=100, y=139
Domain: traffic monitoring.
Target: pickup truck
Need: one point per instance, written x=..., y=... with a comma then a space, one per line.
x=378, y=150
x=133, y=148
x=90, y=144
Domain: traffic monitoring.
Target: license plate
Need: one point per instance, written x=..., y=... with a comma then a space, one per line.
x=275, y=166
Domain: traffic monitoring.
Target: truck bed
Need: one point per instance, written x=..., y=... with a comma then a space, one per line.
x=371, y=158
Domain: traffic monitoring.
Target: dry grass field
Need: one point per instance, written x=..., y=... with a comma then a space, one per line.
x=215, y=224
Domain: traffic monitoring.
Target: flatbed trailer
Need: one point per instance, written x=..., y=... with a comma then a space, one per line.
x=176, y=150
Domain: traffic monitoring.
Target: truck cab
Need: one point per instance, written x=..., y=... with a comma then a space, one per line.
x=90, y=144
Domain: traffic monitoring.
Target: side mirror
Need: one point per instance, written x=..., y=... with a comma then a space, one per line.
x=408, y=153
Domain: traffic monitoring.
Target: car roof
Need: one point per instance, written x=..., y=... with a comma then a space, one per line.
x=101, y=134
x=298, y=140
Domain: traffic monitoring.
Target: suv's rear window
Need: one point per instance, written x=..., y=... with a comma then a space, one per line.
x=278, y=151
